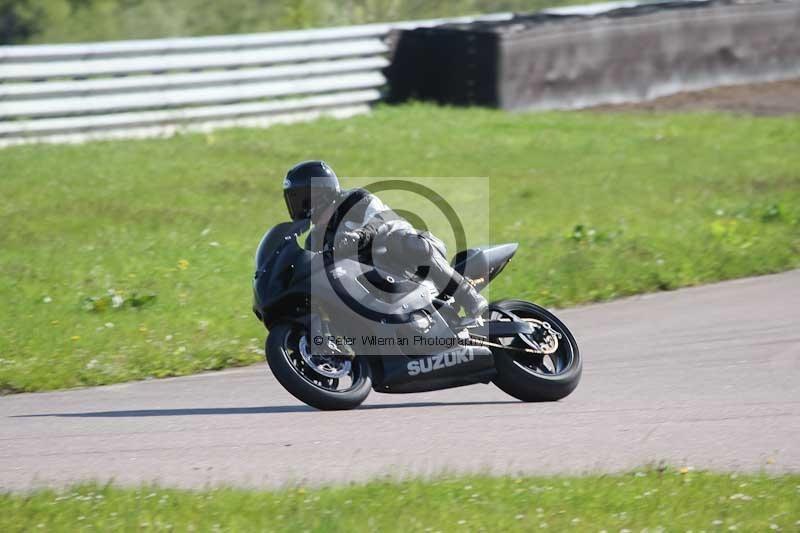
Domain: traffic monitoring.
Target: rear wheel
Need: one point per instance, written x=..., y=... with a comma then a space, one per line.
x=328, y=383
x=547, y=376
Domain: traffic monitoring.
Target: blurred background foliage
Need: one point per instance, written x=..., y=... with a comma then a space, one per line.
x=56, y=21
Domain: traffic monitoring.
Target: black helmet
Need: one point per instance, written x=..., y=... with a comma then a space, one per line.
x=307, y=186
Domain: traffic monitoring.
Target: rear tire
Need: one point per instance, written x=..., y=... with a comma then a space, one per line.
x=521, y=381
x=279, y=353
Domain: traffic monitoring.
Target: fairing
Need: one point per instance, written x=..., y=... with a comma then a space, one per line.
x=282, y=271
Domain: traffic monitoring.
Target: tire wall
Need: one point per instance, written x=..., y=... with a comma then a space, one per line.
x=444, y=65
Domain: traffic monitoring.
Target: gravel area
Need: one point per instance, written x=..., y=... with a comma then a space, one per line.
x=774, y=98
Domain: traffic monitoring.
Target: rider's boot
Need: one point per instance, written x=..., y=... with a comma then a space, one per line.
x=468, y=297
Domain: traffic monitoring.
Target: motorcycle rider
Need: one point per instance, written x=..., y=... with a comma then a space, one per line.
x=351, y=220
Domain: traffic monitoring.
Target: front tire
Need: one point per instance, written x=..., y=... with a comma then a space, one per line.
x=526, y=376
x=304, y=383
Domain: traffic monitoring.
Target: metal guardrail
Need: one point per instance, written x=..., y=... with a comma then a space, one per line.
x=77, y=92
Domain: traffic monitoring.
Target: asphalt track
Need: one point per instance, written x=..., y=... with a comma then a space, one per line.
x=705, y=377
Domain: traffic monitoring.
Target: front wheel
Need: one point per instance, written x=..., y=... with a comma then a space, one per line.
x=330, y=384
x=545, y=377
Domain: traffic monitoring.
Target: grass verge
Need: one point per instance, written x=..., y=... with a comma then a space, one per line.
x=652, y=500
x=127, y=260
x=59, y=21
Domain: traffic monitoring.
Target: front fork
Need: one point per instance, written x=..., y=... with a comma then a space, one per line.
x=321, y=337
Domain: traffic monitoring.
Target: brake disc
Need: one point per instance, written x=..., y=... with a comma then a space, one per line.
x=329, y=366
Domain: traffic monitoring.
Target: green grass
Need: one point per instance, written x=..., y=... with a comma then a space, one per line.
x=652, y=500
x=55, y=21
x=603, y=206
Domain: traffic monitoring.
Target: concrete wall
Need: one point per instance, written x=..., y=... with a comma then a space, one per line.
x=577, y=63
x=628, y=54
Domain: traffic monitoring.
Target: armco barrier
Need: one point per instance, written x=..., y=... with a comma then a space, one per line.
x=629, y=54
x=75, y=92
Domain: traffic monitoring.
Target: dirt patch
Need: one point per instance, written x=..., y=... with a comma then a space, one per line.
x=774, y=98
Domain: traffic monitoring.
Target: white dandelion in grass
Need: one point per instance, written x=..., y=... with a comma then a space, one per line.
x=117, y=301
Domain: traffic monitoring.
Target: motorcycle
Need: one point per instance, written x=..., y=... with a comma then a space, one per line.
x=412, y=339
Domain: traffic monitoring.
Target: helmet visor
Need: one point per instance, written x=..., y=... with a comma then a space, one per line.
x=298, y=202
